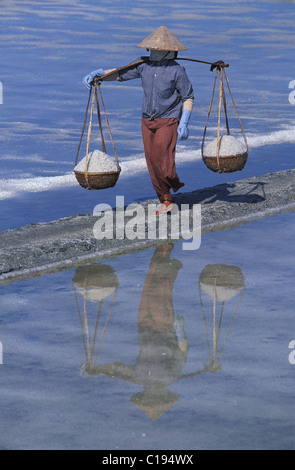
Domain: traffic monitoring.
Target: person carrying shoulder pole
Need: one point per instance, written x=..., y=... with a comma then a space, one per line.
x=167, y=107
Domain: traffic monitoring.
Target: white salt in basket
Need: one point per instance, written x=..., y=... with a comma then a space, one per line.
x=232, y=155
x=99, y=172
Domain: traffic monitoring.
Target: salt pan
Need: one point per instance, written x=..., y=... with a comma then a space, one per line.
x=98, y=162
x=229, y=145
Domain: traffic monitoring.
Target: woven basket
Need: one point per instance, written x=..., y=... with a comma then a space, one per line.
x=162, y=39
x=228, y=164
x=97, y=180
x=102, y=180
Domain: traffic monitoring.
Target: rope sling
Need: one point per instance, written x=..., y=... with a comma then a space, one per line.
x=88, y=179
x=216, y=163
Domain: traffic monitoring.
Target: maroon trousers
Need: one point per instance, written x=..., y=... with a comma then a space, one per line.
x=159, y=140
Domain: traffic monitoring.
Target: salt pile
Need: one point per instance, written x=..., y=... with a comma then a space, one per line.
x=98, y=162
x=229, y=145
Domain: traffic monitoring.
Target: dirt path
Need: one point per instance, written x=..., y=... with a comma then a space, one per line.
x=28, y=251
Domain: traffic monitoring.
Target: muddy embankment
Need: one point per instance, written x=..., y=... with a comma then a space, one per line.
x=33, y=249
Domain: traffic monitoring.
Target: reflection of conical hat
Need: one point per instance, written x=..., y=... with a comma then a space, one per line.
x=222, y=280
x=162, y=39
x=154, y=406
x=97, y=281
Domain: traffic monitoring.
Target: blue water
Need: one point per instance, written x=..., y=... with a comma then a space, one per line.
x=155, y=389
x=47, y=48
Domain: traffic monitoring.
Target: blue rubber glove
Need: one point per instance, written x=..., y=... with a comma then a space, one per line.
x=182, y=129
x=88, y=79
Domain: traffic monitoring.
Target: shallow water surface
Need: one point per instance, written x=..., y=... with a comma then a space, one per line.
x=159, y=349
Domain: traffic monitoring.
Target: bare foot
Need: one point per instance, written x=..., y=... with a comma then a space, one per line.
x=165, y=208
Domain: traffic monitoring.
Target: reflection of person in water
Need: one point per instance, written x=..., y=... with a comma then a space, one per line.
x=163, y=346
x=156, y=306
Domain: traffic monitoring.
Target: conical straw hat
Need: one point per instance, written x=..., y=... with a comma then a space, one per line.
x=162, y=39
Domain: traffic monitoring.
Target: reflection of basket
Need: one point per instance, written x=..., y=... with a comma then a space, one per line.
x=97, y=284
x=97, y=180
x=222, y=283
x=106, y=179
x=228, y=163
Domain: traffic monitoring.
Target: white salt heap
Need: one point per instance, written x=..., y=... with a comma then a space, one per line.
x=98, y=162
x=229, y=145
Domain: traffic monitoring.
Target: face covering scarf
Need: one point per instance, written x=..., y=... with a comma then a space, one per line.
x=161, y=55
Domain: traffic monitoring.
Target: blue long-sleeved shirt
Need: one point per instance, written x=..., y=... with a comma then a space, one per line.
x=166, y=86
